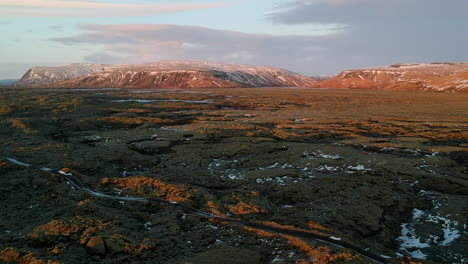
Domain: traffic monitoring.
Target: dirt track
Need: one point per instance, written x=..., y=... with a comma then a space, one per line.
x=380, y=170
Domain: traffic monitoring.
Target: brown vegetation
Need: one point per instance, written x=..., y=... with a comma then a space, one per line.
x=139, y=184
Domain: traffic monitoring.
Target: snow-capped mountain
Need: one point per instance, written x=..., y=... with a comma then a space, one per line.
x=44, y=75
x=451, y=77
x=180, y=74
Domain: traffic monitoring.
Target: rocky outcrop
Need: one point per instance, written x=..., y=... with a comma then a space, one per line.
x=44, y=75
x=448, y=77
x=184, y=74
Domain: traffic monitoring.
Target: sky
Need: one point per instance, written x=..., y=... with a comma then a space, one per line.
x=311, y=37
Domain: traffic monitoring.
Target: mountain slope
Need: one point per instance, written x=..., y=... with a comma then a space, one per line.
x=428, y=77
x=187, y=74
x=44, y=75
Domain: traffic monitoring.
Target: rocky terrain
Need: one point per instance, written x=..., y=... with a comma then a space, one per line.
x=39, y=76
x=446, y=77
x=344, y=164
x=167, y=74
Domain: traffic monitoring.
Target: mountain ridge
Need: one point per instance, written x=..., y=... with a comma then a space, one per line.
x=437, y=76
x=174, y=74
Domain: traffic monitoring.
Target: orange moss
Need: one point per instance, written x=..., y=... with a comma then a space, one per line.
x=172, y=192
x=317, y=255
x=211, y=205
x=65, y=170
x=57, y=228
x=408, y=260
x=243, y=208
x=77, y=227
x=10, y=255
x=145, y=245
x=237, y=127
x=252, y=193
x=129, y=110
x=5, y=109
x=284, y=134
x=20, y=125
x=289, y=227
x=81, y=203
x=214, y=210
x=314, y=225
x=133, y=247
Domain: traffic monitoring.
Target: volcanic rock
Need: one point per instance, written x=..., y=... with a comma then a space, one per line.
x=96, y=246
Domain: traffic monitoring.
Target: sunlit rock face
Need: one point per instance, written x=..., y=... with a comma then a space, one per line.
x=451, y=77
x=175, y=74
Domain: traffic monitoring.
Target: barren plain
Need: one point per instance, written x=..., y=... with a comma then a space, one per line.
x=383, y=171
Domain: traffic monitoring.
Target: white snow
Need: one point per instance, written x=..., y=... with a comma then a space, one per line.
x=327, y=168
x=148, y=225
x=417, y=213
x=235, y=177
x=409, y=239
x=358, y=167
x=277, y=166
x=448, y=227
x=321, y=155
x=412, y=243
x=280, y=180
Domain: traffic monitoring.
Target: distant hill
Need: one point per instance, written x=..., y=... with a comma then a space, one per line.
x=448, y=77
x=164, y=74
x=7, y=82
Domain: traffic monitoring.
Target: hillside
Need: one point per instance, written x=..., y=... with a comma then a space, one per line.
x=449, y=77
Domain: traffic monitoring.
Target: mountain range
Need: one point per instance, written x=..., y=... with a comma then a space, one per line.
x=164, y=74
x=448, y=77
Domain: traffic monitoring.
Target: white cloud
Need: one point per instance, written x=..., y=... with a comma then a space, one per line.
x=326, y=54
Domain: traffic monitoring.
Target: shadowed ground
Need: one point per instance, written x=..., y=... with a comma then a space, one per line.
x=383, y=171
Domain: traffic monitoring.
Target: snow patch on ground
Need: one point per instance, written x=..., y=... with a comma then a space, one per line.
x=413, y=244
x=320, y=155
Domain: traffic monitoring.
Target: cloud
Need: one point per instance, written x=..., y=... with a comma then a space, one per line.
x=361, y=12
x=355, y=48
x=61, y=8
x=131, y=43
x=380, y=32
